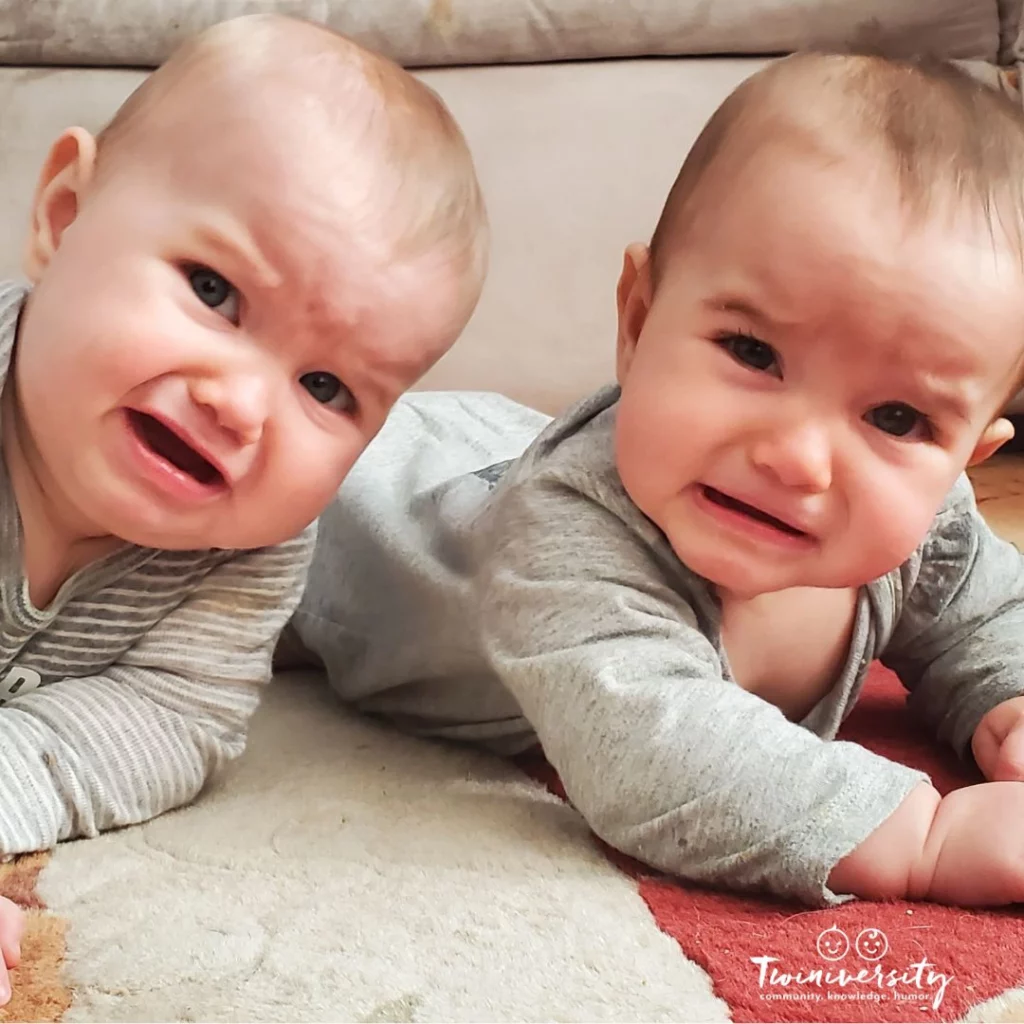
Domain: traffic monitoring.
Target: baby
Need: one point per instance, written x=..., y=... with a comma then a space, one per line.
x=679, y=587
x=277, y=234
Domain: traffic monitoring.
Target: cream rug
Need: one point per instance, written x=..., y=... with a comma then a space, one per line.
x=343, y=872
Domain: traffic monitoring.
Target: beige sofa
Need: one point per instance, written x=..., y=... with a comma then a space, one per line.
x=578, y=111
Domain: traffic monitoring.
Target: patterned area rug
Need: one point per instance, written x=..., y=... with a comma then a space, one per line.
x=766, y=961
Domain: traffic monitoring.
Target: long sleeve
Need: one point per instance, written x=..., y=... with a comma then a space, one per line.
x=82, y=755
x=665, y=758
x=958, y=644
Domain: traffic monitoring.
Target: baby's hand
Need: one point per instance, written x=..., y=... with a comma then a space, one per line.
x=12, y=922
x=965, y=849
x=998, y=742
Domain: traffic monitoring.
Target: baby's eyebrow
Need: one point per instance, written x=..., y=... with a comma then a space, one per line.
x=952, y=403
x=233, y=243
x=739, y=305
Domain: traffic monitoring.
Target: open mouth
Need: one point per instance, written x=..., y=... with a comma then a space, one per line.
x=735, y=505
x=165, y=443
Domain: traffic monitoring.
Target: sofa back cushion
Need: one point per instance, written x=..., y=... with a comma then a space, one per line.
x=140, y=33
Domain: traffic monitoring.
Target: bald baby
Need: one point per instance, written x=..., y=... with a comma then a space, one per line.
x=311, y=193
x=228, y=289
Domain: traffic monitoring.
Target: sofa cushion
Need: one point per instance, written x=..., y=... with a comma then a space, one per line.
x=140, y=33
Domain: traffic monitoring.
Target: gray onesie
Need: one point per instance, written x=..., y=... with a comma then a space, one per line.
x=463, y=596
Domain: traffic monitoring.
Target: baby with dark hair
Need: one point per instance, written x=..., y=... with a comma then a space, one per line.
x=679, y=586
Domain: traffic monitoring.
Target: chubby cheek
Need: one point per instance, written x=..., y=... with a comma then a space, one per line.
x=302, y=480
x=891, y=522
x=640, y=457
x=67, y=397
x=56, y=390
x=662, y=439
x=103, y=345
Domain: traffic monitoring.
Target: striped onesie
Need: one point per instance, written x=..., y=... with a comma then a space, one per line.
x=122, y=697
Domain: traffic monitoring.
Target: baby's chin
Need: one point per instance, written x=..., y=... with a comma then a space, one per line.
x=743, y=579
x=234, y=520
x=227, y=535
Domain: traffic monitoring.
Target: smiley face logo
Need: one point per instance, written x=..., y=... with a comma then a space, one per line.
x=833, y=944
x=871, y=944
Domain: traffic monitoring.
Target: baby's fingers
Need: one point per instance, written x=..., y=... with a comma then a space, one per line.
x=5, y=986
x=985, y=746
x=998, y=742
x=1004, y=761
x=12, y=924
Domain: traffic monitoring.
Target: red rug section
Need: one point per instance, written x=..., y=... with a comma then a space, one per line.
x=969, y=956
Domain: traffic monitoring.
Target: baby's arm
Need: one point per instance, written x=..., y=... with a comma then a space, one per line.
x=83, y=755
x=958, y=643
x=686, y=771
x=666, y=759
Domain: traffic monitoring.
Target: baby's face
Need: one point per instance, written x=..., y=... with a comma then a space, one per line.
x=812, y=375
x=214, y=342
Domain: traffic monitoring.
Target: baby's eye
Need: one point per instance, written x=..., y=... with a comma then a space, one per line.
x=215, y=291
x=328, y=390
x=750, y=351
x=899, y=420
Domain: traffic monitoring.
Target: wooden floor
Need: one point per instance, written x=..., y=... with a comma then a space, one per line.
x=999, y=487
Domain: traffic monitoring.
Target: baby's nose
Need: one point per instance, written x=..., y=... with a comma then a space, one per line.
x=238, y=402
x=798, y=454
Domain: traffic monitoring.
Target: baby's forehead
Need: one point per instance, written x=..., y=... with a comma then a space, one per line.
x=242, y=86
x=807, y=233
x=269, y=152
x=844, y=194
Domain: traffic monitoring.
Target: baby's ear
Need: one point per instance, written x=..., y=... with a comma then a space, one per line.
x=67, y=172
x=633, y=299
x=997, y=433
